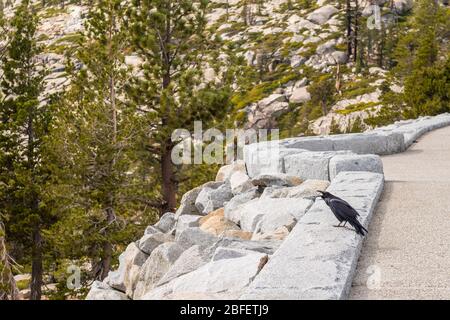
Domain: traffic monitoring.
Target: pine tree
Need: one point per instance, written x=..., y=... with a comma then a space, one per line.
x=419, y=44
x=424, y=17
x=322, y=93
x=94, y=139
x=8, y=289
x=171, y=37
x=355, y=126
x=428, y=19
x=417, y=55
x=24, y=125
x=427, y=90
x=334, y=127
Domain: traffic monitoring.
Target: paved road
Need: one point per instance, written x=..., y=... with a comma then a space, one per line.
x=407, y=252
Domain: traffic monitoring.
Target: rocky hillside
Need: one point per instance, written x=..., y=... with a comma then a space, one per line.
x=57, y=32
x=293, y=43
x=287, y=45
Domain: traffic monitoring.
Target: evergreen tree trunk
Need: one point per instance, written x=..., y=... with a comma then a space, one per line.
x=167, y=171
x=324, y=108
x=36, y=255
x=110, y=215
x=168, y=179
x=355, y=31
x=227, y=14
x=106, y=261
x=245, y=13
x=107, y=248
x=36, y=265
x=348, y=17
x=381, y=48
x=338, y=79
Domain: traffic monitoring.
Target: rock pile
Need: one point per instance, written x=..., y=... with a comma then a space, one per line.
x=219, y=241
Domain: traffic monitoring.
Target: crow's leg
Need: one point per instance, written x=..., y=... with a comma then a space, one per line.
x=345, y=222
x=339, y=225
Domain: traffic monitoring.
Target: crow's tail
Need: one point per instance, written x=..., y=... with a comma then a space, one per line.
x=358, y=227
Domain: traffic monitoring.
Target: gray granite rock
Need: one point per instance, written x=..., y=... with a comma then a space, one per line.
x=328, y=46
x=339, y=57
x=190, y=260
x=151, y=230
x=225, y=278
x=213, y=196
x=273, y=98
x=196, y=236
x=186, y=221
x=315, y=261
x=166, y=222
x=309, y=165
x=130, y=262
x=101, y=291
x=300, y=95
x=240, y=183
x=395, y=143
x=266, y=246
x=268, y=214
x=306, y=190
x=402, y=6
x=276, y=179
x=154, y=268
x=229, y=253
x=321, y=15
x=367, y=162
x=150, y=241
x=361, y=143
x=187, y=203
x=374, y=142
x=238, y=200
x=412, y=130
x=308, y=143
x=296, y=61
x=225, y=172
x=278, y=234
x=266, y=157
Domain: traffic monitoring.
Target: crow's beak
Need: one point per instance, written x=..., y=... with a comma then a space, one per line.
x=316, y=196
x=320, y=194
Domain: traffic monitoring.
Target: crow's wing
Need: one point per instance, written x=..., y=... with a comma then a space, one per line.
x=342, y=208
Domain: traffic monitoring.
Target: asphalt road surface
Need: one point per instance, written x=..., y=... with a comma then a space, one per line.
x=407, y=252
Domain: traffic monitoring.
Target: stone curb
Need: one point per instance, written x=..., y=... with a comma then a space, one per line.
x=414, y=129
x=290, y=155
x=316, y=260
x=381, y=141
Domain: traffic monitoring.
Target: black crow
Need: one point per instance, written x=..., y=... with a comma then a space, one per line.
x=343, y=212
